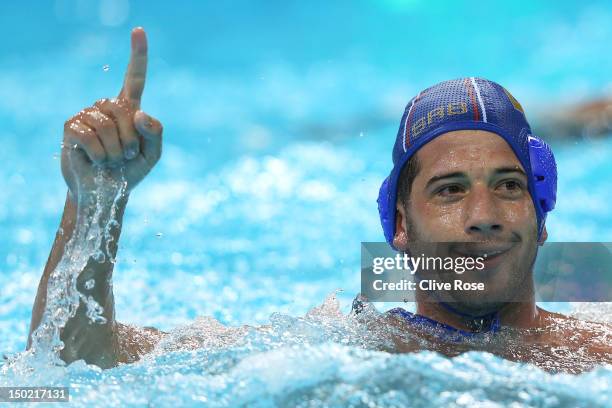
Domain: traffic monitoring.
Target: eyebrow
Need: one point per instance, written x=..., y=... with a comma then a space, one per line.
x=505, y=170
x=459, y=174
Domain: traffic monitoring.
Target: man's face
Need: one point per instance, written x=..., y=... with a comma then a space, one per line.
x=472, y=189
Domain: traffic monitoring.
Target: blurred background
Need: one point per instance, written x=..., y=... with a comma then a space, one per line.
x=279, y=121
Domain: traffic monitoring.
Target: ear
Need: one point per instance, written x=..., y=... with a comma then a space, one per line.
x=544, y=237
x=400, y=239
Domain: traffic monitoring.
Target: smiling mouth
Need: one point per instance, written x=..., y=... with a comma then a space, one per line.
x=488, y=252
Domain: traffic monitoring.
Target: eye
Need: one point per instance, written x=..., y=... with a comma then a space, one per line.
x=512, y=187
x=450, y=190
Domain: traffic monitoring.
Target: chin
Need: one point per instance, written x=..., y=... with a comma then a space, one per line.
x=478, y=308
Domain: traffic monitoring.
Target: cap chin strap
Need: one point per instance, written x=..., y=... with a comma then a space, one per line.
x=477, y=323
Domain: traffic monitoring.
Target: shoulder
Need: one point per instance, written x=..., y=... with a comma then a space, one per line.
x=590, y=335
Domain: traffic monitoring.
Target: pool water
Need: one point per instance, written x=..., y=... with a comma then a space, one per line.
x=279, y=121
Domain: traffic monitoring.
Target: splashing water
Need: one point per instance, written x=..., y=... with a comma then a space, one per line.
x=63, y=296
x=324, y=359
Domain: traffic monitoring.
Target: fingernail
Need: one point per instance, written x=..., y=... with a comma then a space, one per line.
x=147, y=121
x=130, y=153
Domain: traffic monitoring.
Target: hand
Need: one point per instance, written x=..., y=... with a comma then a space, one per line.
x=113, y=135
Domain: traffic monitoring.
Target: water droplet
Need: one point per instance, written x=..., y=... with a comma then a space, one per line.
x=90, y=284
x=361, y=134
x=159, y=235
x=106, y=68
x=55, y=156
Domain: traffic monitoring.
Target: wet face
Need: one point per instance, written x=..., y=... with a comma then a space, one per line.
x=471, y=192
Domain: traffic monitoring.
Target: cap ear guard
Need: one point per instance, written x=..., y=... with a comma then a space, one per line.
x=544, y=170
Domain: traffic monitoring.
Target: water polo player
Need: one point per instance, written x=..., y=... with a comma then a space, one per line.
x=470, y=176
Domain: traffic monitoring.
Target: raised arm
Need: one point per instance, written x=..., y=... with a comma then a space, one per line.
x=107, y=150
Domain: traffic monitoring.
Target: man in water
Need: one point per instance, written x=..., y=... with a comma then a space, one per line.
x=466, y=184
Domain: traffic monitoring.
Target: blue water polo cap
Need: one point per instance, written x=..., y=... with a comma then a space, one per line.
x=463, y=104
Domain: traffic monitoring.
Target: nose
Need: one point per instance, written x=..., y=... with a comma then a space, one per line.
x=482, y=215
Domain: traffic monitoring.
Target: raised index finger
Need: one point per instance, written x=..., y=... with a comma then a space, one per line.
x=134, y=81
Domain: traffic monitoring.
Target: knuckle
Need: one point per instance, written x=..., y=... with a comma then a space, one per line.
x=104, y=124
x=101, y=102
x=75, y=119
x=71, y=127
x=86, y=112
x=121, y=105
x=88, y=115
x=118, y=109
